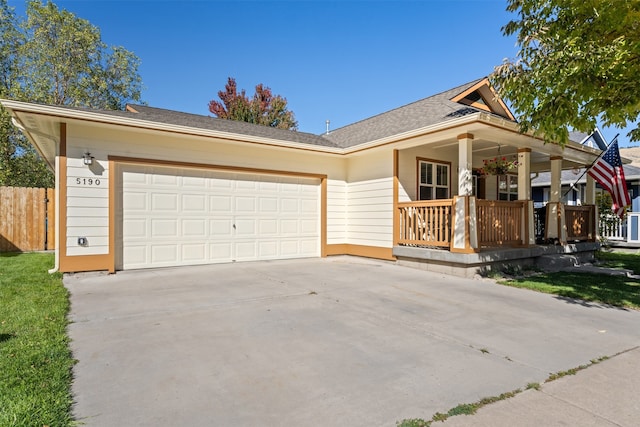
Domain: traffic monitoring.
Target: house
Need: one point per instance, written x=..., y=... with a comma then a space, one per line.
x=149, y=187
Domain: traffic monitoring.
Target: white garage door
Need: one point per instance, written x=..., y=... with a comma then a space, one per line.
x=172, y=217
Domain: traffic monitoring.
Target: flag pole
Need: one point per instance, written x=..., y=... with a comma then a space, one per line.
x=572, y=186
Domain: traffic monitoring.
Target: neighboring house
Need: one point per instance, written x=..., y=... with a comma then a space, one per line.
x=574, y=193
x=149, y=187
x=574, y=181
x=574, y=184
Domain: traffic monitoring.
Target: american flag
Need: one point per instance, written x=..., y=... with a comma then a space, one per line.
x=608, y=172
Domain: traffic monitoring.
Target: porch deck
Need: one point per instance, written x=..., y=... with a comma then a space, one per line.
x=470, y=264
x=467, y=236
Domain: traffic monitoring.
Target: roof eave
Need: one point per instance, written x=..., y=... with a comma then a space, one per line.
x=96, y=117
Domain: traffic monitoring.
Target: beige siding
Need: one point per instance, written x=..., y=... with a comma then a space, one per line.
x=336, y=211
x=87, y=207
x=370, y=212
x=370, y=199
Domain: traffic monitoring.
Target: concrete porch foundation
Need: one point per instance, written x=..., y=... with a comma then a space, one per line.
x=470, y=264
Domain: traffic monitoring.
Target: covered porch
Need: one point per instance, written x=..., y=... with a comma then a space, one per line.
x=472, y=222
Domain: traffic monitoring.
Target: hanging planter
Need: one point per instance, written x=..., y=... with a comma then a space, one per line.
x=498, y=166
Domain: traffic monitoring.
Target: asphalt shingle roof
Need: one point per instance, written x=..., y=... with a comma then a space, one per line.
x=428, y=111
x=161, y=115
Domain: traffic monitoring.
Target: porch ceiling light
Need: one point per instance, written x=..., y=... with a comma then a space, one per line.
x=87, y=159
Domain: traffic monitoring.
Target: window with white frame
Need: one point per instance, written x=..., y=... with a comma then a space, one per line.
x=507, y=187
x=433, y=180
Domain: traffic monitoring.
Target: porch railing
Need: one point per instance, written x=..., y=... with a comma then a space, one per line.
x=499, y=222
x=426, y=223
x=580, y=222
x=613, y=228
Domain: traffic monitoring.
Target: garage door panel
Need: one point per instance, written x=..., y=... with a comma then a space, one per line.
x=289, y=205
x=221, y=252
x=308, y=227
x=245, y=205
x=269, y=186
x=136, y=256
x=194, y=203
x=160, y=179
x=220, y=203
x=193, y=227
x=194, y=252
x=245, y=227
x=133, y=228
x=309, y=247
x=289, y=226
x=245, y=250
x=268, y=227
x=164, y=227
x=268, y=204
x=308, y=206
x=195, y=182
x=268, y=249
x=164, y=202
x=221, y=228
x=164, y=253
x=133, y=178
x=173, y=216
x=288, y=248
x=219, y=183
x=135, y=201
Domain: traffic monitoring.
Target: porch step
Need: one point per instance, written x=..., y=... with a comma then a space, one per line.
x=556, y=262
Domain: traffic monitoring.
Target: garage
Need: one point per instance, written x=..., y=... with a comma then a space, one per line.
x=174, y=216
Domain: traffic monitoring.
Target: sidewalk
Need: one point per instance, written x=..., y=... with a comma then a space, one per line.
x=605, y=394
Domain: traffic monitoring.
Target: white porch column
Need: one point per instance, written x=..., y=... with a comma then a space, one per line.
x=524, y=174
x=524, y=194
x=465, y=180
x=554, y=228
x=590, y=199
x=590, y=196
x=556, y=179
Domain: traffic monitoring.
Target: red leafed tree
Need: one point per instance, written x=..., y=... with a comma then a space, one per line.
x=263, y=108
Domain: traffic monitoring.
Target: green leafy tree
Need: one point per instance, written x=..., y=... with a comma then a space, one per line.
x=54, y=57
x=263, y=108
x=578, y=62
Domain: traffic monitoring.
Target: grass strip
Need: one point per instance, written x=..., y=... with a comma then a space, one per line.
x=35, y=360
x=472, y=408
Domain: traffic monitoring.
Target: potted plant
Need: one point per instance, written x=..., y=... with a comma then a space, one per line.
x=498, y=166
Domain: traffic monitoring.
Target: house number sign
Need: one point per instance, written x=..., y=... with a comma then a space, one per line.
x=87, y=181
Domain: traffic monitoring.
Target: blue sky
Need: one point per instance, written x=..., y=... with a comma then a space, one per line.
x=337, y=60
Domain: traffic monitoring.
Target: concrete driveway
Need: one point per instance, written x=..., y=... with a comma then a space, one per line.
x=326, y=342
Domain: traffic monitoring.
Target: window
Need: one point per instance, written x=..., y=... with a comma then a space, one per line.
x=433, y=180
x=507, y=187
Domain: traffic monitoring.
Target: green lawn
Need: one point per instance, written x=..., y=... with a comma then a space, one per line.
x=35, y=360
x=630, y=261
x=614, y=290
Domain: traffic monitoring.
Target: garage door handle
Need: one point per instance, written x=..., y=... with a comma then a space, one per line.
x=234, y=226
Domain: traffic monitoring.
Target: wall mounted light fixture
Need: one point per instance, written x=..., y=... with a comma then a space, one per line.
x=86, y=157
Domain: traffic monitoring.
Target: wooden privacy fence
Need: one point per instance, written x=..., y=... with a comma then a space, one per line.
x=26, y=219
